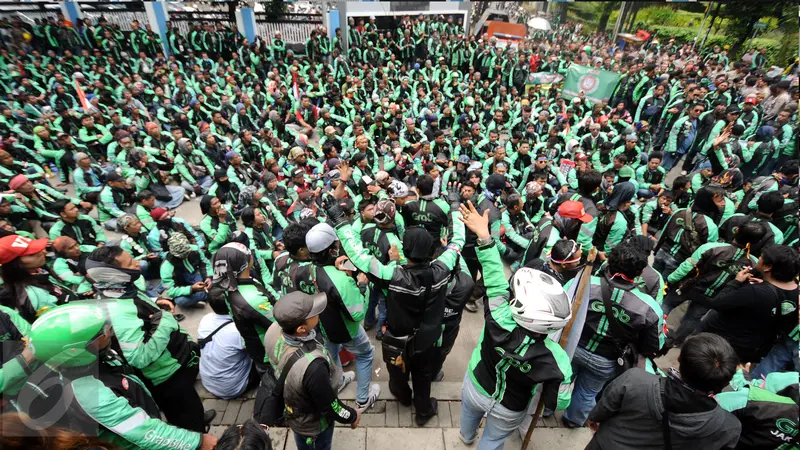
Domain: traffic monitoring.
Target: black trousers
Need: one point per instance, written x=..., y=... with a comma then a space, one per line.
x=474, y=267
x=179, y=401
x=449, y=335
x=421, y=369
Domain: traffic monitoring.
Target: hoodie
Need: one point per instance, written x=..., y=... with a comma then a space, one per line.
x=630, y=416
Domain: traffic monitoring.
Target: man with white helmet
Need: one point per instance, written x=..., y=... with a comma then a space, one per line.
x=340, y=322
x=514, y=353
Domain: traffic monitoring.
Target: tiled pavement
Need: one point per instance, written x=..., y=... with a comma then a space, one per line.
x=387, y=424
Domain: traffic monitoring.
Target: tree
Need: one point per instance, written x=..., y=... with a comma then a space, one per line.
x=608, y=8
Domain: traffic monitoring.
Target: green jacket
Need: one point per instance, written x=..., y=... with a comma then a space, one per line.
x=13, y=372
x=157, y=346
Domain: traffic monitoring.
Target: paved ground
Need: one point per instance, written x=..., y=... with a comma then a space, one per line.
x=386, y=424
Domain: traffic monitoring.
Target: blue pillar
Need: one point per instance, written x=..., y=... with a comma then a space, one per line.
x=72, y=11
x=246, y=23
x=158, y=16
x=333, y=23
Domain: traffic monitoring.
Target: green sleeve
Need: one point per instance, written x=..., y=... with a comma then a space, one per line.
x=183, y=169
x=363, y=260
x=64, y=273
x=11, y=374
x=144, y=216
x=131, y=423
x=56, y=230
x=216, y=238
x=505, y=222
x=107, y=200
x=354, y=301
x=493, y=273
x=167, y=279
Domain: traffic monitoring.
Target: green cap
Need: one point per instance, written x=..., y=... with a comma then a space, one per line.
x=626, y=172
x=59, y=337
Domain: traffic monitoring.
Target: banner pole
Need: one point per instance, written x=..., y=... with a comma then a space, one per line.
x=586, y=277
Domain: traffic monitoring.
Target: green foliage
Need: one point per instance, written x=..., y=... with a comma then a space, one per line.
x=684, y=35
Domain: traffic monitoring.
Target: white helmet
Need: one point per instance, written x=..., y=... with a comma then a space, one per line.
x=540, y=303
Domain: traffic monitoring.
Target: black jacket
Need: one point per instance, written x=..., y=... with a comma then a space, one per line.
x=630, y=416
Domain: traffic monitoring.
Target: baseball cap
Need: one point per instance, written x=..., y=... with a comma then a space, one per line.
x=16, y=182
x=632, y=138
x=733, y=109
x=295, y=152
x=158, y=213
x=463, y=159
x=297, y=173
x=295, y=308
x=14, y=246
x=750, y=100
x=384, y=211
x=79, y=156
x=495, y=182
x=573, y=209
x=626, y=172
x=398, y=189
x=320, y=237
x=113, y=176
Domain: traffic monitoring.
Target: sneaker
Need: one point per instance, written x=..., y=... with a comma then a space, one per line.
x=471, y=306
x=347, y=378
x=421, y=420
x=178, y=317
x=568, y=424
x=683, y=172
x=186, y=197
x=465, y=440
x=439, y=376
x=374, y=392
x=209, y=415
x=198, y=305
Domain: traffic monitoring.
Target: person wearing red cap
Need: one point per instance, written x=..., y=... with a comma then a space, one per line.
x=39, y=198
x=27, y=286
x=166, y=224
x=750, y=117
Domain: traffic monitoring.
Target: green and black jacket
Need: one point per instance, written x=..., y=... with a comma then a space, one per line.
x=638, y=314
x=710, y=267
x=509, y=360
x=767, y=409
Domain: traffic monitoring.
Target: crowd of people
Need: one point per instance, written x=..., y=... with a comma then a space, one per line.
x=384, y=183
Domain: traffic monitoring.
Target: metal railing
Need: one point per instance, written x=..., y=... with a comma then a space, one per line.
x=294, y=28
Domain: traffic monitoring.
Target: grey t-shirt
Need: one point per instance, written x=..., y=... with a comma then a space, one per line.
x=224, y=363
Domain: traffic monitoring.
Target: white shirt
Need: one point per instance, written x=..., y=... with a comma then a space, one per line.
x=224, y=363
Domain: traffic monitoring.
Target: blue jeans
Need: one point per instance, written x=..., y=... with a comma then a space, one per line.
x=500, y=421
x=782, y=353
x=665, y=263
x=591, y=373
x=177, y=193
x=199, y=296
x=205, y=183
x=365, y=352
x=322, y=441
x=376, y=298
x=646, y=193
x=670, y=160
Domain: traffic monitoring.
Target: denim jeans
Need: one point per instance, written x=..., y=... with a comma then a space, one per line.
x=205, y=183
x=365, y=353
x=500, y=421
x=783, y=352
x=670, y=160
x=189, y=300
x=646, y=193
x=177, y=194
x=376, y=298
x=591, y=373
x=665, y=263
x=322, y=441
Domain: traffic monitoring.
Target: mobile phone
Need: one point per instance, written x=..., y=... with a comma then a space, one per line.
x=348, y=265
x=368, y=180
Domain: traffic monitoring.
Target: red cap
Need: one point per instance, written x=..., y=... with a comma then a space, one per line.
x=750, y=100
x=14, y=246
x=158, y=213
x=573, y=209
x=16, y=182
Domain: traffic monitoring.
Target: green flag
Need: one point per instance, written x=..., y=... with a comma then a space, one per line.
x=596, y=84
